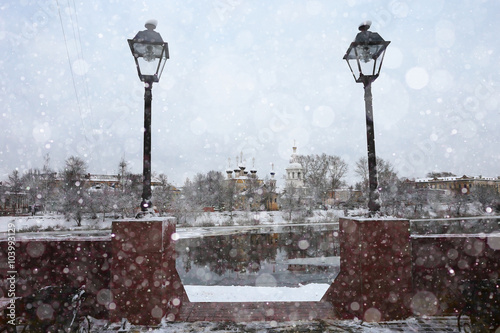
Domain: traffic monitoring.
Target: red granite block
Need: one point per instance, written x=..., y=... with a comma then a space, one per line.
x=144, y=281
x=375, y=270
x=138, y=236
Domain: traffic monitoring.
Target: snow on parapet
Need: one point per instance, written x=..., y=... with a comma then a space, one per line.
x=376, y=218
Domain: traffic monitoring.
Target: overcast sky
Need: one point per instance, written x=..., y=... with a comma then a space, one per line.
x=251, y=77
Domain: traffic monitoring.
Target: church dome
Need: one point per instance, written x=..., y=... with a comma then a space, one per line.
x=295, y=165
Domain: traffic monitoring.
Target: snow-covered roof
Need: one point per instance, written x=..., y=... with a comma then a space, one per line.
x=428, y=179
x=102, y=178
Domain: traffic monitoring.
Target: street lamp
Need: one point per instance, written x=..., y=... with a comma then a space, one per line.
x=364, y=58
x=150, y=54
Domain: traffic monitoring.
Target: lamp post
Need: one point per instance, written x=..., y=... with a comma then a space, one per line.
x=364, y=57
x=150, y=54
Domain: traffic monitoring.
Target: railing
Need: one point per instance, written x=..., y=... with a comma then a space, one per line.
x=465, y=225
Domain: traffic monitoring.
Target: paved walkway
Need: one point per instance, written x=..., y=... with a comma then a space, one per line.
x=411, y=325
x=256, y=311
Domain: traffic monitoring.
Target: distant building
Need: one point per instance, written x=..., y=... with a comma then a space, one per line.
x=295, y=172
x=13, y=203
x=295, y=190
x=251, y=191
x=99, y=181
x=458, y=185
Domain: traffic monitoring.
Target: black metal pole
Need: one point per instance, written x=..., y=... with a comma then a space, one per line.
x=146, y=171
x=373, y=199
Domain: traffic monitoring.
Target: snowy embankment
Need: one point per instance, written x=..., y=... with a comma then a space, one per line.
x=57, y=222
x=50, y=222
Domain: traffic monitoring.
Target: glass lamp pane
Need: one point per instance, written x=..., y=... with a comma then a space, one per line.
x=367, y=67
x=368, y=52
x=147, y=51
x=353, y=65
x=148, y=67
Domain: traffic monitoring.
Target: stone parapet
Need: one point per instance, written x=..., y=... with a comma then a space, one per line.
x=145, y=285
x=374, y=283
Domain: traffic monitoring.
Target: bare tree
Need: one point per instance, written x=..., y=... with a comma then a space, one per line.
x=458, y=203
x=15, y=184
x=388, y=181
x=417, y=199
x=337, y=169
x=33, y=184
x=485, y=196
x=194, y=191
x=129, y=191
x=291, y=201
x=101, y=200
x=122, y=172
x=253, y=195
x=361, y=170
x=435, y=174
x=215, y=189
x=322, y=173
x=206, y=190
x=74, y=200
x=230, y=196
x=187, y=207
x=49, y=188
x=163, y=194
x=181, y=209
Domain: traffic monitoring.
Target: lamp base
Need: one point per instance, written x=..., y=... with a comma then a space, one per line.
x=146, y=209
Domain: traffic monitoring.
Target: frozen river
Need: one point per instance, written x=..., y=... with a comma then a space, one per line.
x=285, y=256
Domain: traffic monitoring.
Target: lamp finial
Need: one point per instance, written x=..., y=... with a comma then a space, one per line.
x=151, y=24
x=365, y=25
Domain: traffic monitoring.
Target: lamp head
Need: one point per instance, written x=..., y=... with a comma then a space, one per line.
x=150, y=52
x=365, y=55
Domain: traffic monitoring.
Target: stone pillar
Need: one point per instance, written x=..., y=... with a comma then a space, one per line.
x=145, y=285
x=374, y=283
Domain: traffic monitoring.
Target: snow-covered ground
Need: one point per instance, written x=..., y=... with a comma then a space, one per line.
x=50, y=222
x=308, y=293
